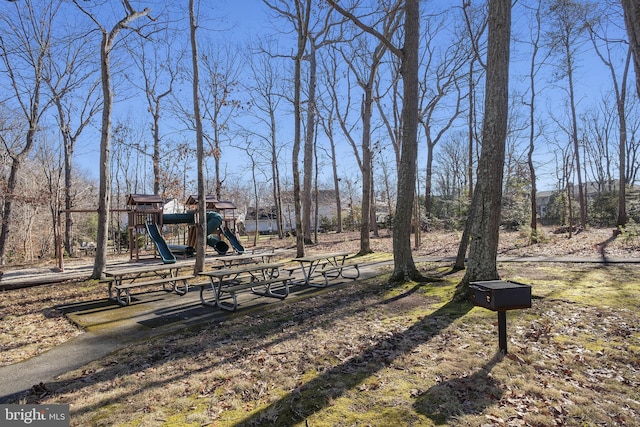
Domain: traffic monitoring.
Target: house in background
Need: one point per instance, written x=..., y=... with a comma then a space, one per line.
x=326, y=202
x=543, y=198
x=542, y=201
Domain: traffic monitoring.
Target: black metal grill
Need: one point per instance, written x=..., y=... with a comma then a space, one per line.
x=500, y=296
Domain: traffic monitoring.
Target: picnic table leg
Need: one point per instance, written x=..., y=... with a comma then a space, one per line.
x=119, y=297
x=222, y=304
x=355, y=276
x=213, y=288
x=110, y=289
x=312, y=268
x=217, y=294
x=173, y=272
x=268, y=292
x=185, y=288
x=118, y=293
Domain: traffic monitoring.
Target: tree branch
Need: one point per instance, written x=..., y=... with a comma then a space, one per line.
x=393, y=48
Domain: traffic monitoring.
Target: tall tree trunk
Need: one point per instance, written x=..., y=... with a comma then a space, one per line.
x=471, y=130
x=631, y=10
x=156, y=149
x=12, y=183
x=533, y=221
x=336, y=181
x=308, y=146
x=487, y=197
x=68, y=198
x=576, y=148
x=303, y=21
x=201, y=227
x=622, y=126
x=428, y=202
x=367, y=164
x=104, y=193
x=404, y=267
x=275, y=172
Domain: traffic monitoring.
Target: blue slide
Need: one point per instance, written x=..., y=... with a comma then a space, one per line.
x=163, y=249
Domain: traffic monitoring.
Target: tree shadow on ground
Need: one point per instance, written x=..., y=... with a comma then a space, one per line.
x=602, y=246
x=319, y=393
x=469, y=394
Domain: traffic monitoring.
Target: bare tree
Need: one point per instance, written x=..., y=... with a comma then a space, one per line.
x=73, y=81
x=109, y=37
x=450, y=176
x=363, y=62
x=440, y=81
x=158, y=65
x=475, y=21
x=221, y=74
x=620, y=92
x=51, y=163
x=299, y=15
x=487, y=197
x=265, y=100
x=567, y=18
x=202, y=206
x=391, y=117
x=534, y=69
x=25, y=40
x=404, y=266
x=328, y=112
x=599, y=131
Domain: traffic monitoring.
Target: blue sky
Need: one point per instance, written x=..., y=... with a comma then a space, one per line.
x=239, y=21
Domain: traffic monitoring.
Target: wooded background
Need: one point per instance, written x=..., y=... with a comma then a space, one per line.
x=317, y=83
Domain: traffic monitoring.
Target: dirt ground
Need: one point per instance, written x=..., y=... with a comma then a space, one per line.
x=594, y=242
x=370, y=354
x=30, y=324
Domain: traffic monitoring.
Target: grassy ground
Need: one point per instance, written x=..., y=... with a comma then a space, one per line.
x=370, y=354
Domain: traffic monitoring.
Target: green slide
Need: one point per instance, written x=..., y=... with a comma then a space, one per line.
x=163, y=249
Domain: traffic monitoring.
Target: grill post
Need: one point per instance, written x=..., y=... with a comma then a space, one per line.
x=502, y=331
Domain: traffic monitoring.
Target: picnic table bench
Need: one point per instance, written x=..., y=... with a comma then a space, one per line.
x=326, y=265
x=121, y=281
x=258, y=277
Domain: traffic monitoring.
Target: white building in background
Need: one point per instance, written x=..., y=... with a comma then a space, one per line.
x=326, y=201
x=267, y=216
x=173, y=206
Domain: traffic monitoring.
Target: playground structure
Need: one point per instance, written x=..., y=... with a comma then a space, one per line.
x=145, y=215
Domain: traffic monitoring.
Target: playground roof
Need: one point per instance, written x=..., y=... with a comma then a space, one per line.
x=211, y=202
x=144, y=199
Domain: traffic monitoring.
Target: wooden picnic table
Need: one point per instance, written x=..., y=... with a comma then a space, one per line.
x=259, y=277
x=229, y=261
x=327, y=265
x=124, y=279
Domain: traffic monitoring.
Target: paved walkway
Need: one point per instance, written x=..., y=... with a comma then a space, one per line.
x=111, y=327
